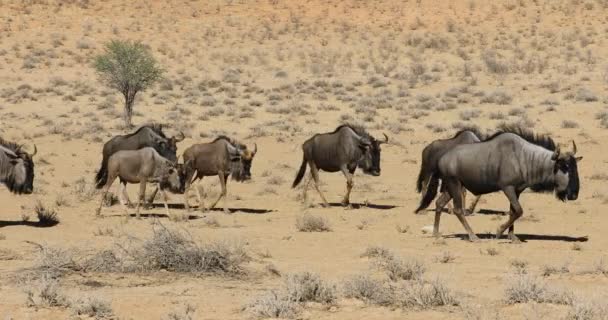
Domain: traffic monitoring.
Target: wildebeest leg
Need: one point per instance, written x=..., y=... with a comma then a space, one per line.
x=514, y=214
x=314, y=172
x=106, y=188
x=199, y=195
x=223, y=193
x=165, y=199
x=141, y=197
x=148, y=202
x=443, y=199
x=306, y=186
x=124, y=195
x=349, y=185
x=455, y=189
x=474, y=204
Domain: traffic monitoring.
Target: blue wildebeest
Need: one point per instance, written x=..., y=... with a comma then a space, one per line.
x=222, y=157
x=435, y=150
x=146, y=136
x=510, y=161
x=16, y=167
x=344, y=149
x=143, y=166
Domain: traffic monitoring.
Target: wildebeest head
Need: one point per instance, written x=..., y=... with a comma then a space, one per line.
x=370, y=162
x=21, y=177
x=172, y=178
x=168, y=147
x=240, y=162
x=566, y=174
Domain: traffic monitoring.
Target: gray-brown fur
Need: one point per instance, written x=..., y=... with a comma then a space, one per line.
x=435, y=150
x=143, y=166
x=150, y=135
x=16, y=167
x=506, y=162
x=222, y=157
x=344, y=149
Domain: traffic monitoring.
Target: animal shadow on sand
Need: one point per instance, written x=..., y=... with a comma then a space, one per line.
x=524, y=237
x=34, y=224
x=364, y=205
x=180, y=206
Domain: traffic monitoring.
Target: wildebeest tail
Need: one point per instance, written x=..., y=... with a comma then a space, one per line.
x=301, y=173
x=430, y=193
x=423, y=175
x=102, y=175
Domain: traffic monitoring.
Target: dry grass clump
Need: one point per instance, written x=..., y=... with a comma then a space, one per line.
x=588, y=309
x=56, y=261
x=603, y=117
x=310, y=223
x=94, y=307
x=397, y=268
x=45, y=292
x=569, y=124
x=173, y=251
x=421, y=294
x=498, y=97
x=369, y=290
x=46, y=217
x=186, y=313
x=524, y=287
x=288, y=301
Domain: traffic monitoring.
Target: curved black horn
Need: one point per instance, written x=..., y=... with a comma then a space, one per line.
x=556, y=154
x=573, y=147
x=385, y=138
x=255, y=148
x=36, y=151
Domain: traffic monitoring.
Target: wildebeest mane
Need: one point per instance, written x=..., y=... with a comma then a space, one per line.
x=473, y=129
x=16, y=148
x=358, y=129
x=232, y=141
x=155, y=127
x=538, y=139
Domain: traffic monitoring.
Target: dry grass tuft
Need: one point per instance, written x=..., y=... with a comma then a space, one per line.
x=94, y=307
x=46, y=217
x=310, y=223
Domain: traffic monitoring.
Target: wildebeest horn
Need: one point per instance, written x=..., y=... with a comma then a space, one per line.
x=555, y=154
x=36, y=151
x=180, y=137
x=255, y=148
x=573, y=147
x=385, y=138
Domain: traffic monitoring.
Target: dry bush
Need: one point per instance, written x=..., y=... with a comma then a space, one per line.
x=399, y=269
x=585, y=95
x=55, y=261
x=272, y=304
x=94, y=307
x=185, y=313
x=45, y=292
x=422, y=294
x=524, y=287
x=603, y=117
x=287, y=302
x=587, y=309
x=550, y=270
x=310, y=223
x=569, y=124
x=369, y=290
x=173, y=251
x=445, y=257
x=309, y=287
x=376, y=252
x=498, y=97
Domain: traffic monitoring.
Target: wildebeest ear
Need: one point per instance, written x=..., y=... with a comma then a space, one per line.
x=555, y=155
x=14, y=161
x=578, y=159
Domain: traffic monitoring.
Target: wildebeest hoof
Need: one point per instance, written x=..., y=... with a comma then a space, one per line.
x=98, y=212
x=325, y=205
x=473, y=238
x=515, y=239
x=468, y=212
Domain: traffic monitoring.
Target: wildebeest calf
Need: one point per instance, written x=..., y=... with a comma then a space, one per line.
x=143, y=166
x=221, y=157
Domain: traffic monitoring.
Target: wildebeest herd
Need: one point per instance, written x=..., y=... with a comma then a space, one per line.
x=511, y=160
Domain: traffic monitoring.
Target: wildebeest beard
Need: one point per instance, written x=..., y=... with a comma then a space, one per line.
x=237, y=170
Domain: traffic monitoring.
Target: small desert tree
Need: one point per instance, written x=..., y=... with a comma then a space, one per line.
x=129, y=67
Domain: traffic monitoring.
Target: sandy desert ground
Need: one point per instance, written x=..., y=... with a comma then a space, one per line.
x=274, y=72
